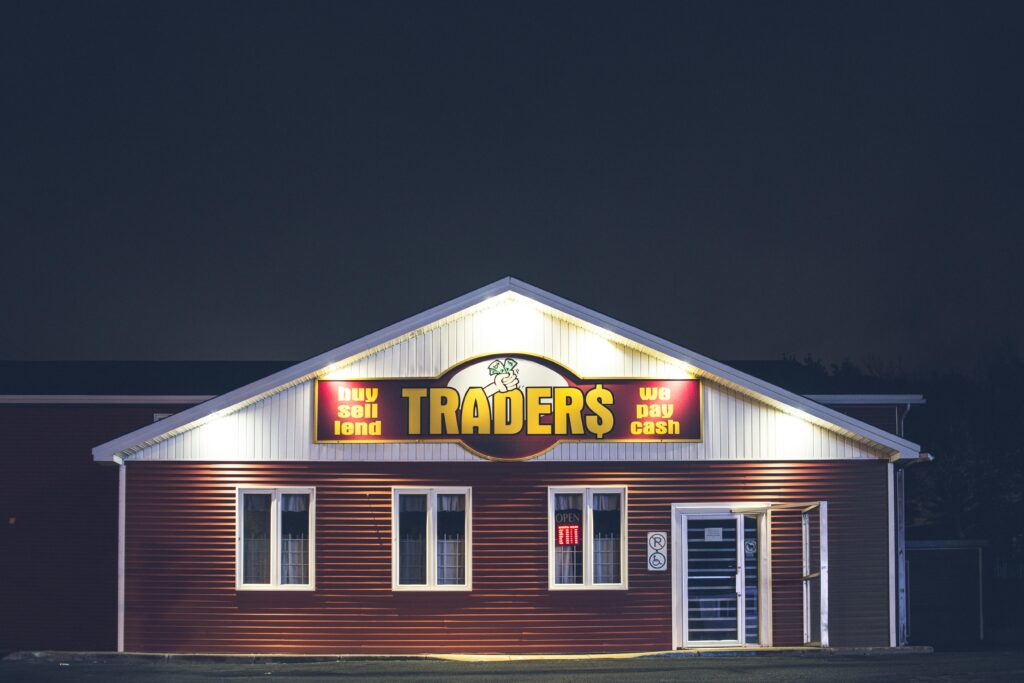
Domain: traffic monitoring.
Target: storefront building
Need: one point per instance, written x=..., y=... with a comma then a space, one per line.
x=506, y=473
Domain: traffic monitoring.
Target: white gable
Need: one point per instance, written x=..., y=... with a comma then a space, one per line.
x=744, y=419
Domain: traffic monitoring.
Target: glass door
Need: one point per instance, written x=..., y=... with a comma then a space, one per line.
x=720, y=579
x=712, y=580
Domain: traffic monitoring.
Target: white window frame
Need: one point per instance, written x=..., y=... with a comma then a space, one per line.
x=588, y=538
x=275, y=538
x=431, y=494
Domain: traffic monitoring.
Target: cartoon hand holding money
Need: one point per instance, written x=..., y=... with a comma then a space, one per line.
x=505, y=376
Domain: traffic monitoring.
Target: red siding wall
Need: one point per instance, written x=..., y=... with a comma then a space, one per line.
x=58, y=560
x=180, y=591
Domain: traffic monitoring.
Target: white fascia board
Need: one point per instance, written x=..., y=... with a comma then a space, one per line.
x=868, y=399
x=902, y=448
x=178, y=422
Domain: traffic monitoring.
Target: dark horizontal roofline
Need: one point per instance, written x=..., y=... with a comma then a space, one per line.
x=134, y=381
x=130, y=378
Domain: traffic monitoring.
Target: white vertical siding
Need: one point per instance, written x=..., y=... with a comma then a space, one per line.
x=279, y=427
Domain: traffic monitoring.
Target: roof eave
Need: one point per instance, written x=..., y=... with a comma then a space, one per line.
x=899, y=448
x=134, y=440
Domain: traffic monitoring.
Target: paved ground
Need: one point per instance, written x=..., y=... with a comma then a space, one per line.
x=984, y=666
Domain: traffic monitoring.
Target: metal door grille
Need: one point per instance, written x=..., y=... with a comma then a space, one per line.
x=712, y=604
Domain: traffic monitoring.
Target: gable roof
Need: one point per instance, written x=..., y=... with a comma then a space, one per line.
x=701, y=366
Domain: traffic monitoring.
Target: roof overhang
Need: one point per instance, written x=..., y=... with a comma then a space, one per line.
x=892, y=446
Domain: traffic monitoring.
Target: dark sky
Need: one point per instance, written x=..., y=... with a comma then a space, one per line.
x=265, y=181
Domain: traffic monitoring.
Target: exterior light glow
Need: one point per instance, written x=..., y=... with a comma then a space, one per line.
x=793, y=436
x=219, y=438
x=509, y=325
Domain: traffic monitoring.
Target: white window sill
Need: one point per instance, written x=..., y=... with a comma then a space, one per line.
x=269, y=587
x=589, y=587
x=420, y=588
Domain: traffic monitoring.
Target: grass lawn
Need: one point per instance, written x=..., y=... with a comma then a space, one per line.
x=977, y=666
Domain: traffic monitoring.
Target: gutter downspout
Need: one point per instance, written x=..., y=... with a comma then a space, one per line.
x=122, y=476
x=903, y=418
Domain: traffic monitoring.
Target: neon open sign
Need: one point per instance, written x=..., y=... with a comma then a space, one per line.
x=567, y=534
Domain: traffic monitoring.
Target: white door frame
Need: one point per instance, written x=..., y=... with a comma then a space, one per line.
x=821, y=507
x=679, y=512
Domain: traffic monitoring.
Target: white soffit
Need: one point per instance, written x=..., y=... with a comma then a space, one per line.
x=697, y=365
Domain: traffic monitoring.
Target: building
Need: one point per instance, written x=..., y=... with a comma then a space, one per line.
x=58, y=581
x=507, y=473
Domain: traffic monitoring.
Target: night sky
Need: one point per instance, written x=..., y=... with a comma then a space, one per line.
x=267, y=181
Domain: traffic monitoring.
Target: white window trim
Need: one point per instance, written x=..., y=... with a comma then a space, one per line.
x=275, y=538
x=431, y=494
x=588, y=539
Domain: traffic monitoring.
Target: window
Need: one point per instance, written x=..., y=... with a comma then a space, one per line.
x=275, y=539
x=587, y=538
x=432, y=546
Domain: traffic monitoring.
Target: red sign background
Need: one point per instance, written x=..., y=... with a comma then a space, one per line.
x=376, y=411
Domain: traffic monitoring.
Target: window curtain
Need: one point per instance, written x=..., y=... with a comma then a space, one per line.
x=451, y=539
x=412, y=542
x=455, y=502
x=256, y=538
x=607, y=535
x=294, y=539
x=569, y=558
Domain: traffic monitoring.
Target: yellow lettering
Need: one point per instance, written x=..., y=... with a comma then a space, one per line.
x=652, y=393
x=444, y=404
x=602, y=420
x=508, y=412
x=568, y=410
x=644, y=410
x=534, y=409
x=371, y=394
x=476, y=412
x=360, y=428
x=351, y=393
x=654, y=428
x=415, y=398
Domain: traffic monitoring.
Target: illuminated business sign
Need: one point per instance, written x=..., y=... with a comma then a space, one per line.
x=507, y=407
